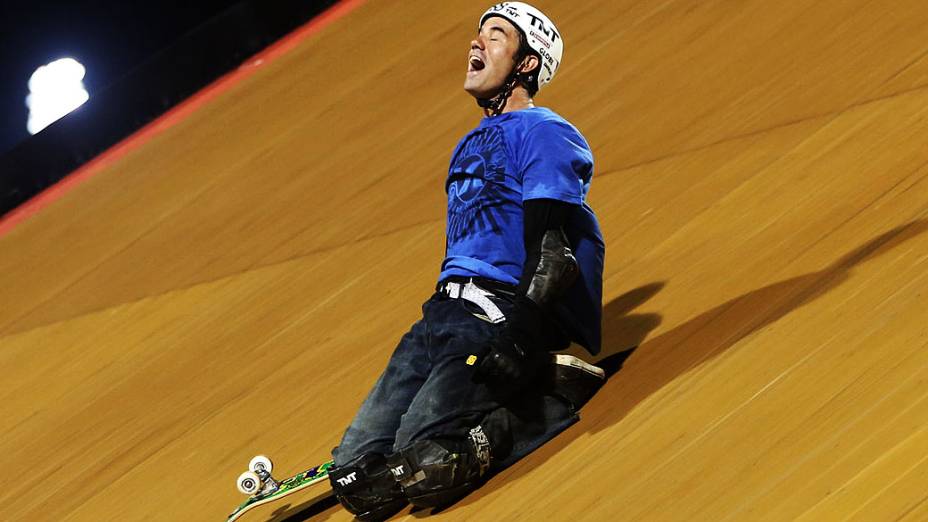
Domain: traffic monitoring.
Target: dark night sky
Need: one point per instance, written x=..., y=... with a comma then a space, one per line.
x=109, y=37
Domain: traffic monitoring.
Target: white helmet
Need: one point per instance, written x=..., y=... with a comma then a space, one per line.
x=540, y=33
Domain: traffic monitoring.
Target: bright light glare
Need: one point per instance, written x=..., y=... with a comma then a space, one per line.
x=55, y=90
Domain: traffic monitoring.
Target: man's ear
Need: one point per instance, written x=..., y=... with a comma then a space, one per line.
x=529, y=63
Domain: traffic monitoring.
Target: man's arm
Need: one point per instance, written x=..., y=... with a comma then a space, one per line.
x=550, y=269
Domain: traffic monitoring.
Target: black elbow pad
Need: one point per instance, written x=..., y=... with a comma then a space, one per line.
x=556, y=271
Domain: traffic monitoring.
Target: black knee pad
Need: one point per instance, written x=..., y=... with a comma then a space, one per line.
x=366, y=488
x=435, y=473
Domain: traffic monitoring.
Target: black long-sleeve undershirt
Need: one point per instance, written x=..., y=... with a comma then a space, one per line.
x=539, y=216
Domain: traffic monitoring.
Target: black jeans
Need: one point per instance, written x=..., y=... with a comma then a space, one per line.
x=427, y=392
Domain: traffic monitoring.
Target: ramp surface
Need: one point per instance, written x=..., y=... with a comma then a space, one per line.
x=235, y=285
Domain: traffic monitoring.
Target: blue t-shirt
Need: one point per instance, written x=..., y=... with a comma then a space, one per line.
x=508, y=159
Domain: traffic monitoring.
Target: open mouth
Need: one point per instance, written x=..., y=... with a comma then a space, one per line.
x=475, y=64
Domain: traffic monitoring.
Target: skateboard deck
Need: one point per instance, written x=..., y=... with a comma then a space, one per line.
x=293, y=484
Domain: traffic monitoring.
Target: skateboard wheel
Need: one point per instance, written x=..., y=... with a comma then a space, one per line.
x=249, y=483
x=260, y=463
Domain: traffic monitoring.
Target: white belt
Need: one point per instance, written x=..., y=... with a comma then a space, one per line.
x=474, y=294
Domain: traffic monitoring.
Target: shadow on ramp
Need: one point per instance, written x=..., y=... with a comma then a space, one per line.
x=645, y=369
x=313, y=509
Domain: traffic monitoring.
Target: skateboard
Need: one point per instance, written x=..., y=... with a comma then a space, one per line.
x=261, y=487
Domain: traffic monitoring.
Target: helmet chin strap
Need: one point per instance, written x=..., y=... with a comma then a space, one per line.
x=494, y=106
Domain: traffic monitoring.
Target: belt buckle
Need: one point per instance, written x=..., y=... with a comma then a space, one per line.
x=481, y=298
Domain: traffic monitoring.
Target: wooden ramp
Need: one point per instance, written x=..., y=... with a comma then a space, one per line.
x=235, y=285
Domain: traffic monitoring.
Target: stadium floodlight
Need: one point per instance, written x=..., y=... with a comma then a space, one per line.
x=55, y=89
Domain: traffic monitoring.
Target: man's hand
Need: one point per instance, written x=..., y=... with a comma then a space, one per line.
x=520, y=349
x=505, y=362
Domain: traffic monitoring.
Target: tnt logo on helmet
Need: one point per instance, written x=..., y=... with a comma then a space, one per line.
x=550, y=33
x=504, y=6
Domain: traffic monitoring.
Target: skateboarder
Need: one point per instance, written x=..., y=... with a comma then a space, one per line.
x=473, y=386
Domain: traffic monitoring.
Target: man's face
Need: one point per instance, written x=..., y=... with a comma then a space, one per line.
x=491, y=57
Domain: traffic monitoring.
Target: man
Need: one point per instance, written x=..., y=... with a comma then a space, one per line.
x=473, y=386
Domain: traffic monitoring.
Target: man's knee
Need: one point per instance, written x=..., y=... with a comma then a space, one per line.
x=437, y=472
x=366, y=488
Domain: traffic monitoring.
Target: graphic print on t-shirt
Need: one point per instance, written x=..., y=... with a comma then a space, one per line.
x=475, y=184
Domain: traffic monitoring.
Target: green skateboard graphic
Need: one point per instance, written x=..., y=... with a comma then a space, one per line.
x=258, y=483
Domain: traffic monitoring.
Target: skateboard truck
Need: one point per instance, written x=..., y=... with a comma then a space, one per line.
x=257, y=481
x=261, y=488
